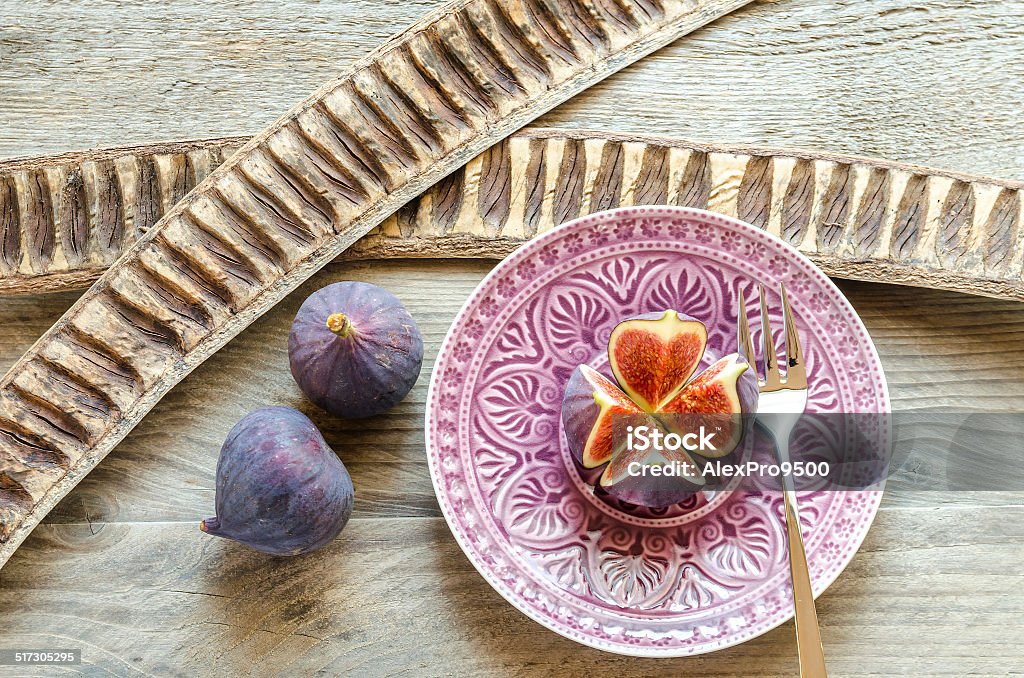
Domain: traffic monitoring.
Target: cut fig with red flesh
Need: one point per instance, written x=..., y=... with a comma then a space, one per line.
x=651, y=477
x=652, y=355
x=653, y=358
x=590, y=409
x=722, y=399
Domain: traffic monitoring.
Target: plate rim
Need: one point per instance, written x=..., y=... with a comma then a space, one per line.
x=446, y=510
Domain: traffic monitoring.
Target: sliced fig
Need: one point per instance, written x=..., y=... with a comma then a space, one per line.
x=720, y=399
x=652, y=355
x=590, y=409
x=651, y=477
x=653, y=358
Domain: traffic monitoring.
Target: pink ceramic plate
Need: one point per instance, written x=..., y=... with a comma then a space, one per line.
x=683, y=581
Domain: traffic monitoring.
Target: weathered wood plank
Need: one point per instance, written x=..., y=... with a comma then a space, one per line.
x=858, y=218
x=397, y=597
x=888, y=78
x=293, y=198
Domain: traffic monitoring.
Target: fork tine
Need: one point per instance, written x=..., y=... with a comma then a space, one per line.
x=796, y=377
x=772, y=378
x=745, y=345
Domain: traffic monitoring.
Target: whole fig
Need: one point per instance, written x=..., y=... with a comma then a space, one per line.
x=280, y=488
x=354, y=350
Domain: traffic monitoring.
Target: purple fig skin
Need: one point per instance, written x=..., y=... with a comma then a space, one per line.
x=582, y=411
x=748, y=393
x=354, y=350
x=652, y=492
x=579, y=413
x=658, y=315
x=649, y=490
x=280, y=488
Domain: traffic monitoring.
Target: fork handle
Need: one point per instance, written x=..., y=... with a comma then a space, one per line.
x=808, y=636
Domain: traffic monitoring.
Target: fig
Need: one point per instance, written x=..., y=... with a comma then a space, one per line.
x=280, y=488
x=354, y=350
x=716, y=399
x=653, y=355
x=653, y=358
x=659, y=478
x=589, y=410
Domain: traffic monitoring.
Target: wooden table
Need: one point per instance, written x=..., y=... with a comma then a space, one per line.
x=120, y=568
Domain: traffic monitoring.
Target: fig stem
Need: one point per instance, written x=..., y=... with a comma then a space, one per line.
x=339, y=324
x=210, y=525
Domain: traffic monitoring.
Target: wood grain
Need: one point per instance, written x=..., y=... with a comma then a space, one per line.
x=289, y=201
x=858, y=218
x=932, y=83
x=395, y=596
x=120, y=567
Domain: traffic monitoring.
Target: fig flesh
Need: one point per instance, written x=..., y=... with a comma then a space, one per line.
x=716, y=399
x=653, y=355
x=590, y=409
x=354, y=350
x=280, y=488
x=653, y=358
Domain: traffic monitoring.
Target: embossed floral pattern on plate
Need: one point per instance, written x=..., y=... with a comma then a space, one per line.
x=682, y=581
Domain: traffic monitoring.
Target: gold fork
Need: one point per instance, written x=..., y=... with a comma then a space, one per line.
x=780, y=405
